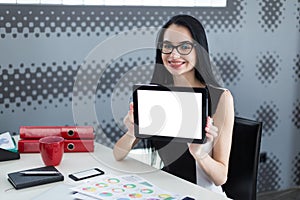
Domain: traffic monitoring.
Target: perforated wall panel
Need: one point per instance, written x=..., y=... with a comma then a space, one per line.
x=57, y=67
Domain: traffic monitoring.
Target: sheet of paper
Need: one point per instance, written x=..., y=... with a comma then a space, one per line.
x=6, y=141
x=124, y=187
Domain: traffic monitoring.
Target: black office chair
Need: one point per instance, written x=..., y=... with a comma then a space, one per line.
x=244, y=159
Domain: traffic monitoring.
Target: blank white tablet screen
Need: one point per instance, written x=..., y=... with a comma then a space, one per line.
x=170, y=113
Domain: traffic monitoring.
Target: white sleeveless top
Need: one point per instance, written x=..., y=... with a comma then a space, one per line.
x=202, y=179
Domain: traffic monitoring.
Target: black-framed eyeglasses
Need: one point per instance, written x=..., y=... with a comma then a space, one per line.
x=184, y=48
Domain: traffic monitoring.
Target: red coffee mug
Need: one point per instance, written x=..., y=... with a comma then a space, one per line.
x=51, y=149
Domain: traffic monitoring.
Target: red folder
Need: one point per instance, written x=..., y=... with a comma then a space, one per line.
x=79, y=145
x=67, y=132
x=32, y=146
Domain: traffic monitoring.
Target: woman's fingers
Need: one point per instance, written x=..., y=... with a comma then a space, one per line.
x=128, y=120
x=129, y=123
x=129, y=117
x=212, y=130
x=130, y=114
x=131, y=106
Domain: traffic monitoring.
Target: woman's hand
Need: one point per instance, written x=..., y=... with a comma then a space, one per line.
x=197, y=150
x=128, y=140
x=128, y=120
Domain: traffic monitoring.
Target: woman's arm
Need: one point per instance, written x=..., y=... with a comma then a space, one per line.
x=128, y=140
x=124, y=145
x=216, y=166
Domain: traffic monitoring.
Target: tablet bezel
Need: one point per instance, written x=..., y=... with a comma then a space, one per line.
x=153, y=87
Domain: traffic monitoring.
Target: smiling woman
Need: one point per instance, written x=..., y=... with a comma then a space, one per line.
x=182, y=60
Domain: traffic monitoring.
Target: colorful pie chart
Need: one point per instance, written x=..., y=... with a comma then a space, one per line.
x=135, y=195
x=101, y=185
x=128, y=186
x=105, y=194
x=89, y=189
x=118, y=190
x=166, y=196
x=146, y=191
x=113, y=180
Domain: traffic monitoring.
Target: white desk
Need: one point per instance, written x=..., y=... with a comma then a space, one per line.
x=103, y=159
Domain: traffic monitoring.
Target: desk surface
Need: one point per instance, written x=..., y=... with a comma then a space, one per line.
x=102, y=158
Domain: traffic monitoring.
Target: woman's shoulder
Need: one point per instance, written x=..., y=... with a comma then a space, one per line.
x=219, y=94
x=218, y=89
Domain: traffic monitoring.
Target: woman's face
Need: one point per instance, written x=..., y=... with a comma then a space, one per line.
x=176, y=63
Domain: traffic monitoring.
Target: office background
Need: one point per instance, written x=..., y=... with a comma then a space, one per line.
x=58, y=66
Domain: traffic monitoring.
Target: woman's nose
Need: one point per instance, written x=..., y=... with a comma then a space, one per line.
x=175, y=53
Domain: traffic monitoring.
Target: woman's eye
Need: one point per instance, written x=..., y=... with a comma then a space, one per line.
x=185, y=46
x=167, y=46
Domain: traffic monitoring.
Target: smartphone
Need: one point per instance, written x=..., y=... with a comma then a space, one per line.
x=89, y=173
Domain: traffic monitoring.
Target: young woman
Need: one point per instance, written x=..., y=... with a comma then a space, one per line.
x=182, y=59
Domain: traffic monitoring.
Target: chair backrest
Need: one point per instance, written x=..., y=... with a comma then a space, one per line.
x=244, y=159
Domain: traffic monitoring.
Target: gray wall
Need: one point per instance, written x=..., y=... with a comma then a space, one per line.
x=66, y=65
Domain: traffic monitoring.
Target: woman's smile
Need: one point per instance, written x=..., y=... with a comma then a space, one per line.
x=176, y=63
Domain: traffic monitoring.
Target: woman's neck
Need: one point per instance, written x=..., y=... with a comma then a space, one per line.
x=187, y=80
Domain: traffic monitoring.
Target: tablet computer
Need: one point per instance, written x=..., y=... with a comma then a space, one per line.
x=170, y=113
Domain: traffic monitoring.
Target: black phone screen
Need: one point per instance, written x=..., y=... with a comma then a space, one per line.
x=89, y=173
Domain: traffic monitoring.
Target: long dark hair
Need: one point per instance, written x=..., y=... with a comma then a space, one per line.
x=203, y=70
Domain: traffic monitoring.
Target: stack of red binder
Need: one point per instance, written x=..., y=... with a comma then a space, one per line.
x=77, y=138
